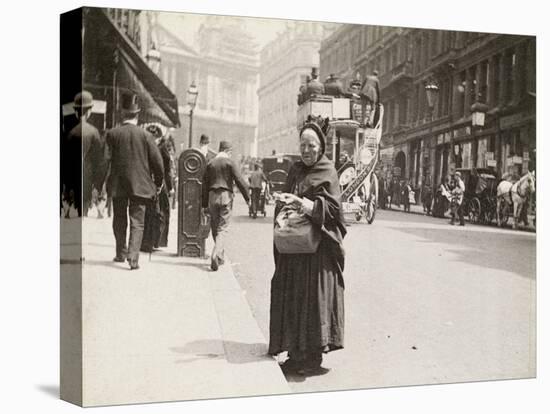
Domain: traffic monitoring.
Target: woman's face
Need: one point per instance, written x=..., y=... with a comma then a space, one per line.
x=310, y=147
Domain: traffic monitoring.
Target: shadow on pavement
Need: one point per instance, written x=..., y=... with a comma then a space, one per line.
x=501, y=251
x=235, y=352
x=49, y=389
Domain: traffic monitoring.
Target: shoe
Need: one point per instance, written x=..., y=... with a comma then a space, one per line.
x=461, y=224
x=119, y=259
x=214, y=264
x=133, y=264
x=291, y=366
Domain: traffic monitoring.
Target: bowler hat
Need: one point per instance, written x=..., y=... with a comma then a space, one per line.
x=83, y=99
x=225, y=146
x=130, y=103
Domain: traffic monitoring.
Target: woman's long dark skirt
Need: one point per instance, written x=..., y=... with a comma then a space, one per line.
x=307, y=303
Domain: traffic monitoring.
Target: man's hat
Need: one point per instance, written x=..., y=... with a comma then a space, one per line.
x=314, y=72
x=130, y=103
x=225, y=146
x=83, y=100
x=458, y=173
x=205, y=139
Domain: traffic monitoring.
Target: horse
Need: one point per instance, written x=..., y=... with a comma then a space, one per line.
x=515, y=194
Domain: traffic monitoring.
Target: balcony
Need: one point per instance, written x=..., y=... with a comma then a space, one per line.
x=401, y=75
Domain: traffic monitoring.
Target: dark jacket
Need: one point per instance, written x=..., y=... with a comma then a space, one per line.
x=371, y=88
x=84, y=149
x=222, y=173
x=133, y=157
x=167, y=163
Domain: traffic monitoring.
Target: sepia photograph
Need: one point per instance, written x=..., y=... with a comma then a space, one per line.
x=254, y=206
x=274, y=207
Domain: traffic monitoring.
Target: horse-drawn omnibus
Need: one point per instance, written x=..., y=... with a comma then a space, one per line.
x=352, y=147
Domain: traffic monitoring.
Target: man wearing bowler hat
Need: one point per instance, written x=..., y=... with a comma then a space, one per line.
x=217, y=197
x=135, y=178
x=84, y=155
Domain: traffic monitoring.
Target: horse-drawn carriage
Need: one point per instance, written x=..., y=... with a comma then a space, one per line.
x=276, y=169
x=480, y=194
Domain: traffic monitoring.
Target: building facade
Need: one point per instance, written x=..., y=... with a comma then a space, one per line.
x=118, y=58
x=224, y=66
x=424, y=141
x=285, y=63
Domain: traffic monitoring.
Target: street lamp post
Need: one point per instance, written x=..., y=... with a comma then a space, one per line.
x=478, y=109
x=192, y=94
x=432, y=93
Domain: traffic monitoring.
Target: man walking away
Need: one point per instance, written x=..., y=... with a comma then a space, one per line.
x=84, y=156
x=457, y=195
x=257, y=177
x=204, y=149
x=136, y=177
x=217, y=197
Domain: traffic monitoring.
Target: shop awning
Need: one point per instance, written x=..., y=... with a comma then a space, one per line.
x=158, y=103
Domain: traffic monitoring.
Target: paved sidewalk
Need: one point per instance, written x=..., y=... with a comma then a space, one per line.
x=172, y=330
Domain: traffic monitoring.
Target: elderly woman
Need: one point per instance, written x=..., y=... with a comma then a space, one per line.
x=307, y=290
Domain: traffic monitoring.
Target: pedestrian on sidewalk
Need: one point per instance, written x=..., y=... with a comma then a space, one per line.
x=457, y=199
x=83, y=157
x=205, y=149
x=135, y=178
x=257, y=178
x=307, y=290
x=157, y=214
x=221, y=174
x=427, y=198
x=407, y=195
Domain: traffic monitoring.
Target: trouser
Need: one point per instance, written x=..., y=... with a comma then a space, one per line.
x=135, y=208
x=256, y=192
x=220, y=203
x=457, y=210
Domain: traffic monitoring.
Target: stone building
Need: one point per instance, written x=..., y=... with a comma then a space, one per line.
x=423, y=141
x=118, y=57
x=223, y=64
x=285, y=63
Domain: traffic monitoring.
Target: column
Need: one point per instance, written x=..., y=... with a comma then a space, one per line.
x=491, y=64
x=478, y=82
x=518, y=72
x=467, y=95
x=502, y=81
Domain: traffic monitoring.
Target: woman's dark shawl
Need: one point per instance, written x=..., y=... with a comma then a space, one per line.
x=319, y=183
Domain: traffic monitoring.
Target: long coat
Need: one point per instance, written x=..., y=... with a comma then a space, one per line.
x=307, y=290
x=84, y=148
x=135, y=161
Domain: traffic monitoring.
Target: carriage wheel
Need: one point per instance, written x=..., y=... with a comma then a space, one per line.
x=474, y=210
x=490, y=211
x=372, y=199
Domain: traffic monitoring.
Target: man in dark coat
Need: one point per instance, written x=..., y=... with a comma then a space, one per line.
x=217, y=197
x=370, y=96
x=83, y=147
x=314, y=86
x=136, y=177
